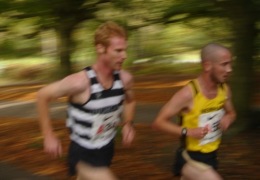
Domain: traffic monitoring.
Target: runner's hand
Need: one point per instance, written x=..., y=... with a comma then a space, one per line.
x=52, y=146
x=198, y=133
x=128, y=133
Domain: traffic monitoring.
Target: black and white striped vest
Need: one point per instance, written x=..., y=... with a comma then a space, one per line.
x=93, y=124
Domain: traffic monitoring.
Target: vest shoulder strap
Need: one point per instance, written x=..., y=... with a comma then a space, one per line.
x=194, y=86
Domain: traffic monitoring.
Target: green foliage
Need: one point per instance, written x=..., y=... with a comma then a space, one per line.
x=199, y=22
x=191, y=9
x=7, y=48
x=165, y=68
x=5, y=5
x=22, y=49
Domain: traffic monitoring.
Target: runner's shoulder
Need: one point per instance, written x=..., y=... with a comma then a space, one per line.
x=78, y=81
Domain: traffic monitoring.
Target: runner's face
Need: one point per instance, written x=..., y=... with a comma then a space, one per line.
x=116, y=52
x=221, y=67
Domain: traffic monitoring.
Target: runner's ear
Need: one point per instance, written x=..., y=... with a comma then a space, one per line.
x=100, y=48
x=208, y=65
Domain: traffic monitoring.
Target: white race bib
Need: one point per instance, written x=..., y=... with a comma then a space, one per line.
x=104, y=127
x=211, y=120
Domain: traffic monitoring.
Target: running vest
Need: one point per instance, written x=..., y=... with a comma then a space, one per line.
x=205, y=112
x=93, y=124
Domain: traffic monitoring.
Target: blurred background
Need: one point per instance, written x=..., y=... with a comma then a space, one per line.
x=42, y=41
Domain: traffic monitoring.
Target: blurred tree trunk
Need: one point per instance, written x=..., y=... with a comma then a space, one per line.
x=243, y=18
x=65, y=49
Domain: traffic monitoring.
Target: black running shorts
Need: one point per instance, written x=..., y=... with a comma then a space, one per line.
x=207, y=158
x=94, y=157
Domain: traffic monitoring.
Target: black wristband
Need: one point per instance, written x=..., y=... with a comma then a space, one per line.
x=184, y=132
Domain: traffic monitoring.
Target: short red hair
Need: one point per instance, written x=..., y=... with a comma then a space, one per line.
x=107, y=30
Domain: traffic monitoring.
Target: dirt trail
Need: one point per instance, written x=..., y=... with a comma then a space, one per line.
x=150, y=157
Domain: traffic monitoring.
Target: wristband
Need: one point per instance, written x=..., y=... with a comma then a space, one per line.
x=184, y=132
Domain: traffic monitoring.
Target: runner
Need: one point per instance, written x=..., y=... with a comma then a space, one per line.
x=98, y=96
x=206, y=111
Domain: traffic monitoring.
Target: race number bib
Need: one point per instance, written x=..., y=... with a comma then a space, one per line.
x=211, y=120
x=104, y=127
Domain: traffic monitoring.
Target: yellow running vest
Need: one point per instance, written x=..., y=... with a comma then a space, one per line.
x=205, y=112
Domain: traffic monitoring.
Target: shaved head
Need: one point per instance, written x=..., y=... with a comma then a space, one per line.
x=211, y=51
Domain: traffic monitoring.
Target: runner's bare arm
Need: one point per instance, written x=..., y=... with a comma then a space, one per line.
x=65, y=87
x=130, y=103
x=230, y=114
x=68, y=86
x=128, y=131
x=180, y=101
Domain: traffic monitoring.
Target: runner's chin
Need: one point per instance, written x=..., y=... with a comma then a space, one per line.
x=224, y=79
x=118, y=66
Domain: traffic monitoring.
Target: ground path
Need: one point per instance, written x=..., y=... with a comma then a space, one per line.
x=150, y=157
